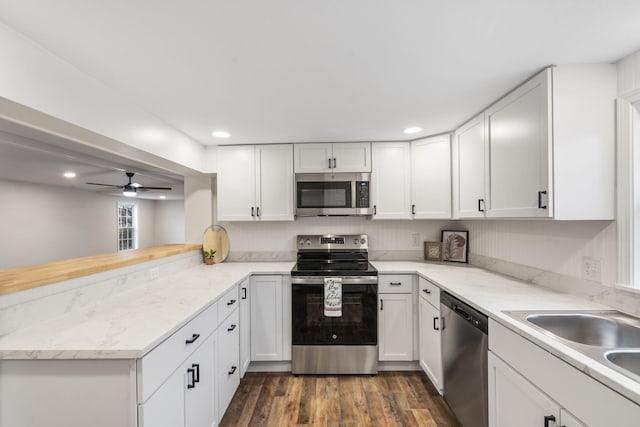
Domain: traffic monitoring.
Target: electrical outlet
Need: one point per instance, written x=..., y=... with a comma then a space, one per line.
x=154, y=273
x=592, y=268
x=415, y=240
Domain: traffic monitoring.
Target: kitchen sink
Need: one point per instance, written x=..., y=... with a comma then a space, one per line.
x=609, y=337
x=602, y=329
x=628, y=360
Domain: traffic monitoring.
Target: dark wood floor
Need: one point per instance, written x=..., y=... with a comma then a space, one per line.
x=389, y=399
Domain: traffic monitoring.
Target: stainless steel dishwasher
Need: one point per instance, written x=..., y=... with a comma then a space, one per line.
x=464, y=361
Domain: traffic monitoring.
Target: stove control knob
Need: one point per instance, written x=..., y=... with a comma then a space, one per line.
x=308, y=242
x=356, y=241
x=334, y=336
x=363, y=241
x=301, y=242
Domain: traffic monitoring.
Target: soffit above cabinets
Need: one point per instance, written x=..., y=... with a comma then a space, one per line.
x=291, y=71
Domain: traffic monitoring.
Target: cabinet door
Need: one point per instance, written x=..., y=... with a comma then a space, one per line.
x=391, y=180
x=266, y=318
x=198, y=374
x=312, y=157
x=514, y=401
x=395, y=327
x=236, y=183
x=431, y=177
x=245, y=327
x=430, y=357
x=519, y=133
x=469, y=167
x=351, y=157
x=274, y=198
x=166, y=407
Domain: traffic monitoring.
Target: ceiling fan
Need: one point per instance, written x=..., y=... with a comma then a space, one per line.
x=131, y=188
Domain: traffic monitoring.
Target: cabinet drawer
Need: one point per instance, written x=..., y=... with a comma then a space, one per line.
x=395, y=284
x=160, y=362
x=227, y=303
x=429, y=292
x=228, y=377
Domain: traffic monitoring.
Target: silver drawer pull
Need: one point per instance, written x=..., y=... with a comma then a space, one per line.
x=426, y=291
x=395, y=283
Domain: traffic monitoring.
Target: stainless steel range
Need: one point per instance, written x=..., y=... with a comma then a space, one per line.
x=334, y=306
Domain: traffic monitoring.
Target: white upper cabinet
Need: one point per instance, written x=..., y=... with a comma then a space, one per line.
x=519, y=151
x=236, y=183
x=339, y=157
x=431, y=177
x=469, y=169
x=274, y=195
x=391, y=180
x=255, y=183
x=545, y=150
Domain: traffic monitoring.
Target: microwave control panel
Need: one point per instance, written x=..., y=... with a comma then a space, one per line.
x=362, y=194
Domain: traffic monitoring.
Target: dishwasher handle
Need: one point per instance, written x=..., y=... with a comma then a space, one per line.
x=461, y=312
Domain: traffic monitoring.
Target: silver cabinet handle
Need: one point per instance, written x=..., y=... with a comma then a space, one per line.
x=258, y=211
x=334, y=162
x=329, y=163
x=413, y=209
x=252, y=211
x=381, y=304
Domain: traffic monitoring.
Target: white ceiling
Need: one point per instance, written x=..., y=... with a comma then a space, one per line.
x=324, y=70
x=34, y=161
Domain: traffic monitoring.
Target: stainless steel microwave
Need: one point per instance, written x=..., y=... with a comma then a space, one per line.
x=320, y=194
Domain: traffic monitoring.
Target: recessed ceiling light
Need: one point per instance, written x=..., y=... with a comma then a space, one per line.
x=69, y=175
x=163, y=197
x=221, y=134
x=412, y=130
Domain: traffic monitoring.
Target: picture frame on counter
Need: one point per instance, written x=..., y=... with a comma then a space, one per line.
x=433, y=251
x=455, y=245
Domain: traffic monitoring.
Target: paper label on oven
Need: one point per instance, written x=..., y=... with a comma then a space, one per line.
x=333, y=296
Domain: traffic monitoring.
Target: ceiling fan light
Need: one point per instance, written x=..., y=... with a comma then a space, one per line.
x=129, y=191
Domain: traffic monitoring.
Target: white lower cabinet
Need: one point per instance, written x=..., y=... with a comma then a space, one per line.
x=270, y=318
x=517, y=402
x=245, y=326
x=228, y=372
x=395, y=318
x=430, y=347
x=527, y=384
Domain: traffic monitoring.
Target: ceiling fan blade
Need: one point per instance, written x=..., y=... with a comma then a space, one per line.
x=153, y=188
x=104, y=185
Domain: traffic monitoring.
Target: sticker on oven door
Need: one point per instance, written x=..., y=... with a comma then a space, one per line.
x=333, y=296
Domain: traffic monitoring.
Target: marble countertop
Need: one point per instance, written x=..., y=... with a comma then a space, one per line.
x=132, y=323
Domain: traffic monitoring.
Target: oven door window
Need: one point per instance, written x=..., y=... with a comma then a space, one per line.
x=358, y=324
x=324, y=194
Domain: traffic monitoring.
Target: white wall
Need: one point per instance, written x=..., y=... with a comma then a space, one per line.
x=32, y=76
x=40, y=223
x=554, y=246
x=387, y=239
x=169, y=222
